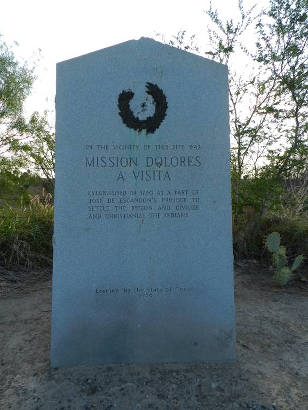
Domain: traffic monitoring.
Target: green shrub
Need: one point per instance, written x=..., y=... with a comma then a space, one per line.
x=293, y=232
x=250, y=229
x=26, y=233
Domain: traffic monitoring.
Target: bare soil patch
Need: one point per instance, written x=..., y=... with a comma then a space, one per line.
x=271, y=371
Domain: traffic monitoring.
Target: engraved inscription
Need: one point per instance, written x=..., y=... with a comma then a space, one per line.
x=143, y=163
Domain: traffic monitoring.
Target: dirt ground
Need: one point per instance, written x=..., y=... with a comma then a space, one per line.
x=271, y=370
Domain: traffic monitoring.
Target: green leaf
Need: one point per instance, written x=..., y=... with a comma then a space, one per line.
x=279, y=260
x=272, y=242
x=297, y=261
x=282, y=276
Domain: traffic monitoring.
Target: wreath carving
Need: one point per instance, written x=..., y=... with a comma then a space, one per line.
x=150, y=124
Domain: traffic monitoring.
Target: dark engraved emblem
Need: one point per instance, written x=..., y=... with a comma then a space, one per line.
x=150, y=124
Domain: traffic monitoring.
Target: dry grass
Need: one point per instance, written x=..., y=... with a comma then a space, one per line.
x=26, y=233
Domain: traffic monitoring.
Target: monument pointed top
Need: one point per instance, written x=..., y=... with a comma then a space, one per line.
x=134, y=46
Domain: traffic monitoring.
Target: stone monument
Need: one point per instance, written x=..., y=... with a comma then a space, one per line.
x=143, y=265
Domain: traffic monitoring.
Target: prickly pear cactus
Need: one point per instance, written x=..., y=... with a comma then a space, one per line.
x=282, y=272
